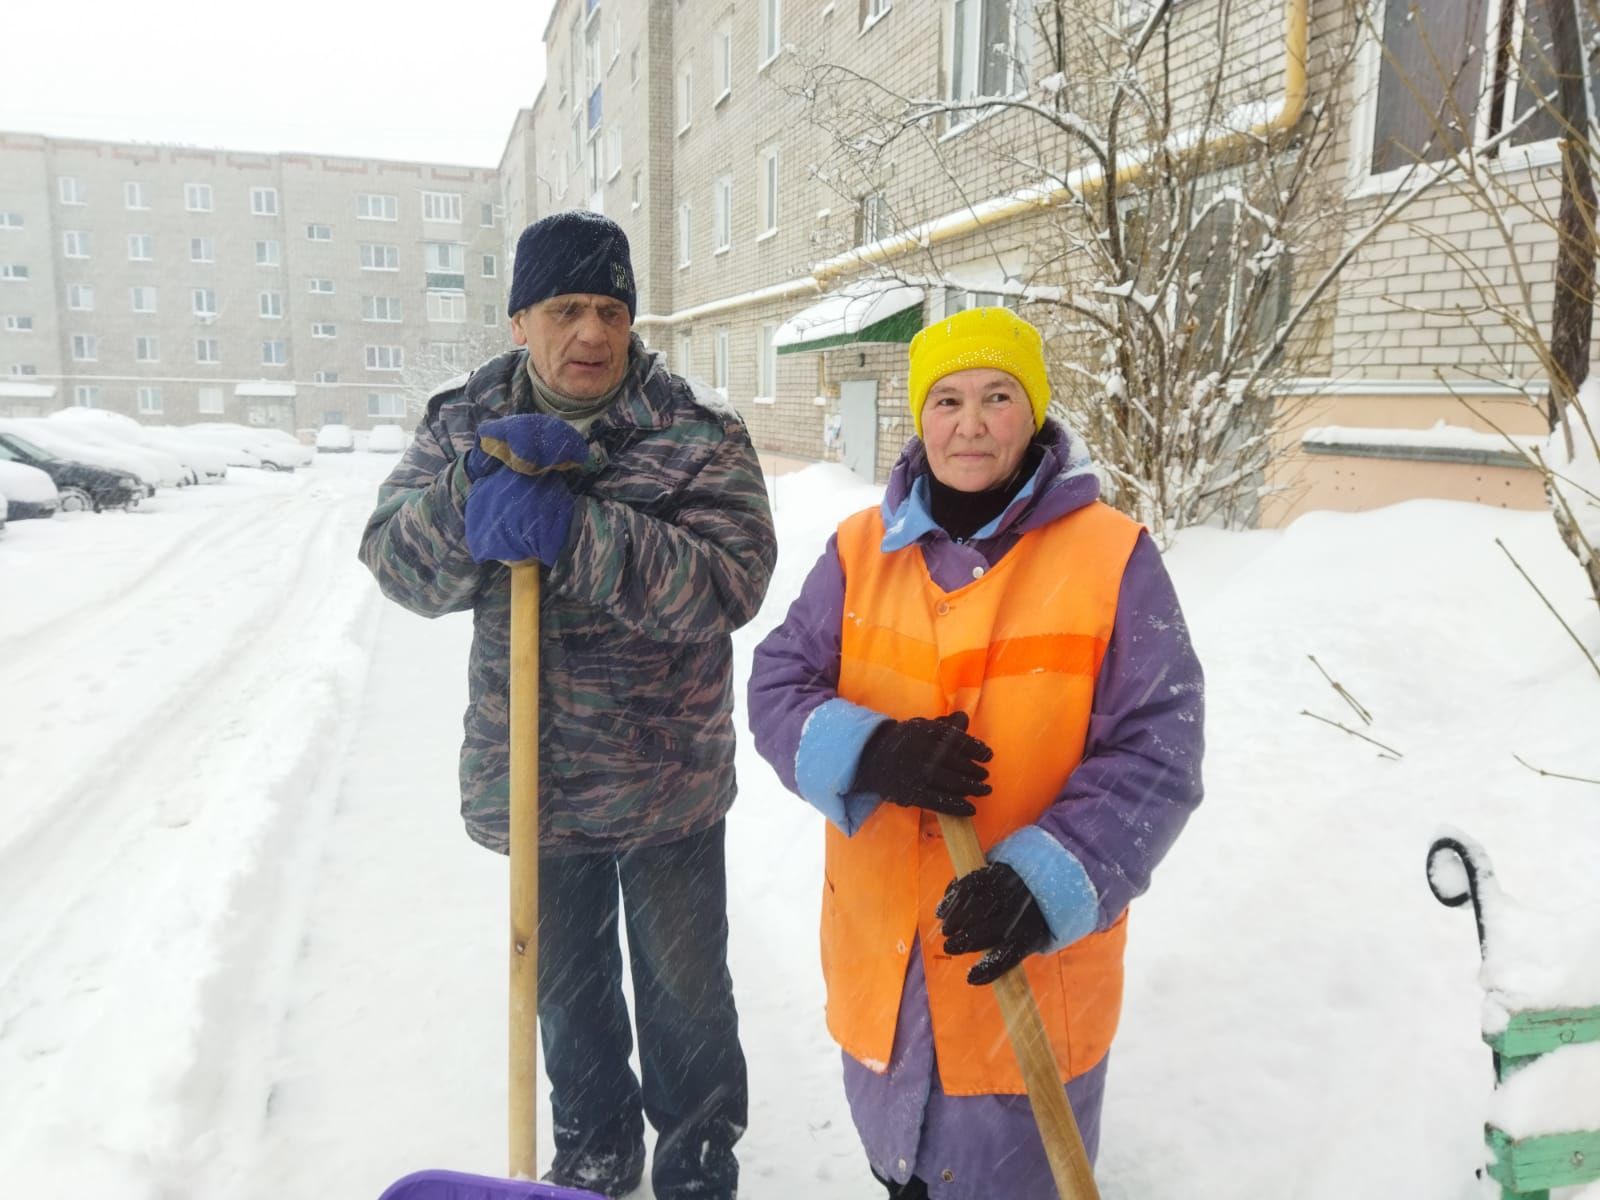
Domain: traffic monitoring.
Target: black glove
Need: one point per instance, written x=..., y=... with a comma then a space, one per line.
x=925, y=764
x=992, y=909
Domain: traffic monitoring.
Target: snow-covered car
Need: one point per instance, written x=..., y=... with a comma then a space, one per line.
x=208, y=462
x=4, y=511
x=335, y=439
x=271, y=449
x=63, y=440
x=28, y=492
x=386, y=439
x=83, y=486
x=113, y=431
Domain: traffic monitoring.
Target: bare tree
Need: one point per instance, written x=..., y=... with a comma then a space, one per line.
x=439, y=362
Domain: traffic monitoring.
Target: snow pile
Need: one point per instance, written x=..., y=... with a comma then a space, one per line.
x=1440, y=436
x=1558, y=1092
x=26, y=485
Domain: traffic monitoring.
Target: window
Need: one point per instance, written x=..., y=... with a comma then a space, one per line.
x=372, y=206
x=441, y=206
x=207, y=350
x=141, y=247
x=685, y=239
x=767, y=364
x=767, y=188
x=19, y=324
x=142, y=299
x=13, y=272
x=771, y=25
x=204, y=302
x=10, y=220
x=319, y=233
x=71, y=190
x=274, y=352
x=24, y=369
x=445, y=354
x=591, y=57
x=133, y=195
x=722, y=212
x=722, y=61
x=209, y=400
x=85, y=347
x=447, y=257
x=486, y=215
x=491, y=316
x=75, y=243
x=1432, y=98
x=960, y=299
x=325, y=377
x=989, y=44
x=86, y=395
x=386, y=358
x=385, y=404
x=146, y=348
x=685, y=96
x=320, y=287
x=447, y=306
x=490, y=266
x=197, y=197
x=380, y=308
x=613, y=152
x=267, y=253
x=719, y=360
x=271, y=305
x=685, y=352
x=873, y=11
x=149, y=399
x=324, y=329
x=638, y=188
x=633, y=65
x=376, y=257
x=264, y=201
x=872, y=219
x=80, y=297
x=202, y=250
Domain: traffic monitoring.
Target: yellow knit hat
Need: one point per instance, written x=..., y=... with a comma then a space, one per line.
x=980, y=337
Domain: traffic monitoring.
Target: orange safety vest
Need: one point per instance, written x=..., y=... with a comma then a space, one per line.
x=1018, y=649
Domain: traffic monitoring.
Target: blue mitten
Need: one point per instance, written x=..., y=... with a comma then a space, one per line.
x=531, y=443
x=515, y=518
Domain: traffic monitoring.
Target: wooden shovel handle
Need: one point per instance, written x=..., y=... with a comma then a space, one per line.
x=1063, y=1147
x=524, y=748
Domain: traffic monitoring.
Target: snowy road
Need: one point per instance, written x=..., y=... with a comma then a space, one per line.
x=246, y=950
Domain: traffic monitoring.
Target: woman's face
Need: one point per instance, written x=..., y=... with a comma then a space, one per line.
x=976, y=425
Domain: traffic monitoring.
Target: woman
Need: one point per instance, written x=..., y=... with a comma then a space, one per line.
x=995, y=642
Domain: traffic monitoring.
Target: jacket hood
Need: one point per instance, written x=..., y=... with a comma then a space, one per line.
x=1063, y=482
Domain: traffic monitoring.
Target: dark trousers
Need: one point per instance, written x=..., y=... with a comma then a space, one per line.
x=693, y=1090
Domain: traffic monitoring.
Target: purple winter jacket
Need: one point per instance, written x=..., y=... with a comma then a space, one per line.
x=1088, y=855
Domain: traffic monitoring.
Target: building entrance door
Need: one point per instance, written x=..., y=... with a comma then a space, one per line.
x=858, y=430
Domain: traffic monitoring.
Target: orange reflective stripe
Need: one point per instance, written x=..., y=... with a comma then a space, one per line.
x=891, y=649
x=1055, y=653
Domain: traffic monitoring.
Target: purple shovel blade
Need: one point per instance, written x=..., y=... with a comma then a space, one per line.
x=452, y=1185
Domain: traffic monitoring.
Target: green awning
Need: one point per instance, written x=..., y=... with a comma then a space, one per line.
x=866, y=311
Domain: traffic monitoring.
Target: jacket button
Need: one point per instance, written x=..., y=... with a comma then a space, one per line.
x=943, y=608
x=902, y=1164
x=900, y=947
x=977, y=572
x=947, y=1175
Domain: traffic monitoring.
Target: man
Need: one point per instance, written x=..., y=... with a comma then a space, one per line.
x=648, y=513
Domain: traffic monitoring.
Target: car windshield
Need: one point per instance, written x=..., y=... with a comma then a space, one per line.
x=11, y=442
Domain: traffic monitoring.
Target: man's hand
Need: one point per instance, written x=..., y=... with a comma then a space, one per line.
x=992, y=909
x=925, y=764
x=531, y=443
x=519, y=508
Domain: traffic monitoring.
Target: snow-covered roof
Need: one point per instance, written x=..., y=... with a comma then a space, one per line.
x=265, y=388
x=862, y=311
x=27, y=391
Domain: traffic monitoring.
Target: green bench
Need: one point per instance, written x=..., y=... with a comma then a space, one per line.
x=1533, y=1050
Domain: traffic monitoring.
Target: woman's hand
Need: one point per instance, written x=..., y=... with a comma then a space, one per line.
x=925, y=764
x=992, y=909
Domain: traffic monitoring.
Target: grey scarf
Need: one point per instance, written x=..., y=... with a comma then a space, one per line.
x=580, y=414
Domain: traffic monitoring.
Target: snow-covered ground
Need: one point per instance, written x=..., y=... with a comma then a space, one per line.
x=246, y=950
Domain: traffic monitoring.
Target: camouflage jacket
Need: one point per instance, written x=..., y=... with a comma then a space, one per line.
x=671, y=550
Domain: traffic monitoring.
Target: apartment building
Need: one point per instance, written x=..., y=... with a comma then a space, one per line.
x=177, y=284
x=772, y=272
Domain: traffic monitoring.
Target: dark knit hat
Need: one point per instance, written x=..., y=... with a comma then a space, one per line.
x=577, y=251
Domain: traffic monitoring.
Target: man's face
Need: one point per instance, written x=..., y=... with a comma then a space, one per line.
x=578, y=342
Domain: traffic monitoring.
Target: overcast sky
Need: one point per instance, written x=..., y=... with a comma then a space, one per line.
x=433, y=83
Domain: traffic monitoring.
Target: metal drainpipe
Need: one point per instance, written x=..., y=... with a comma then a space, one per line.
x=1291, y=105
